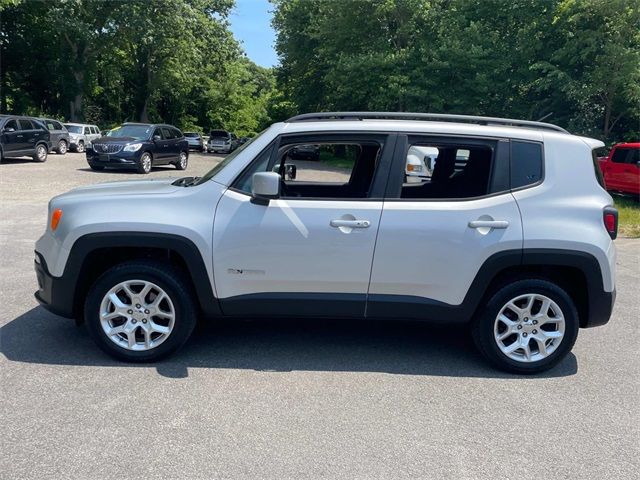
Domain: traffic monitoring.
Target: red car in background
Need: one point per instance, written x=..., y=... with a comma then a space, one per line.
x=621, y=169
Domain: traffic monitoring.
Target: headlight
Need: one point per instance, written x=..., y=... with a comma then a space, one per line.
x=134, y=147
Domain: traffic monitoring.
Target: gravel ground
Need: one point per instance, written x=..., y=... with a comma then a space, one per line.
x=290, y=399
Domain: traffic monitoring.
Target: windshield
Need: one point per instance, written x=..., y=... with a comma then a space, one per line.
x=191, y=134
x=139, y=132
x=74, y=128
x=228, y=159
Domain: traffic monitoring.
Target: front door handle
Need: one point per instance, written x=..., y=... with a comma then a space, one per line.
x=350, y=223
x=488, y=224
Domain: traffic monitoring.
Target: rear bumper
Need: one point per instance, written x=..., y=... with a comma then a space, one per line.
x=600, y=307
x=53, y=293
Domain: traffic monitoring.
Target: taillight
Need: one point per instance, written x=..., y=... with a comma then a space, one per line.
x=610, y=219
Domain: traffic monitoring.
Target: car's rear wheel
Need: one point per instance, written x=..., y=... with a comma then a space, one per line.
x=62, y=147
x=140, y=311
x=41, y=153
x=145, y=164
x=80, y=147
x=527, y=326
x=183, y=161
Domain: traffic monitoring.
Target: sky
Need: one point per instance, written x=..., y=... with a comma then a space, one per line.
x=251, y=25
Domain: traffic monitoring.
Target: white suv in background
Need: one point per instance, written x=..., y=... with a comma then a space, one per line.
x=518, y=227
x=81, y=135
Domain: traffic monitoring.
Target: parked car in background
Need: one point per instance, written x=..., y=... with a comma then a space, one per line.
x=139, y=146
x=59, y=135
x=81, y=135
x=222, y=141
x=195, y=141
x=305, y=152
x=23, y=137
x=621, y=169
x=244, y=140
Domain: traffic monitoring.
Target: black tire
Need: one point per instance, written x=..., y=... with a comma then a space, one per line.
x=146, y=163
x=41, y=153
x=482, y=327
x=175, y=285
x=80, y=147
x=98, y=168
x=62, y=147
x=182, y=164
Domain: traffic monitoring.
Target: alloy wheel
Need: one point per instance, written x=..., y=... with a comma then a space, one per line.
x=183, y=160
x=41, y=152
x=62, y=147
x=137, y=315
x=80, y=147
x=146, y=162
x=529, y=328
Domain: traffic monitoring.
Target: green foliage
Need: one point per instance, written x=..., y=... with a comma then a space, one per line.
x=576, y=59
x=141, y=60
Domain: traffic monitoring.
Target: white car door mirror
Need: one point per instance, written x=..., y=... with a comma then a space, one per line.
x=264, y=187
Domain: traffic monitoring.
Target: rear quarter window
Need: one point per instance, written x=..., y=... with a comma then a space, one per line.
x=526, y=163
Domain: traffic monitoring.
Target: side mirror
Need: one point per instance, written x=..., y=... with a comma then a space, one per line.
x=265, y=186
x=157, y=138
x=9, y=129
x=290, y=171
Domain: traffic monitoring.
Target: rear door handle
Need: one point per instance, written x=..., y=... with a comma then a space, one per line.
x=488, y=224
x=350, y=223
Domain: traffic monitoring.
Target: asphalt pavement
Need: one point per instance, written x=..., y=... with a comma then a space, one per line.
x=296, y=399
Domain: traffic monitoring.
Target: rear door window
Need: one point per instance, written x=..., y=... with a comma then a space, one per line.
x=26, y=124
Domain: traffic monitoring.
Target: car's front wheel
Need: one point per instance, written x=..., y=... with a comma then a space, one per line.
x=183, y=161
x=140, y=311
x=80, y=147
x=145, y=164
x=527, y=326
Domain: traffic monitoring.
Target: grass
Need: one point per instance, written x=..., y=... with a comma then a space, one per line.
x=628, y=216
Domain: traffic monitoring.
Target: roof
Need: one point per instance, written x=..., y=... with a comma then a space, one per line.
x=430, y=117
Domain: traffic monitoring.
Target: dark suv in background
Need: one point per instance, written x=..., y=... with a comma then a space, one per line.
x=59, y=135
x=23, y=136
x=139, y=146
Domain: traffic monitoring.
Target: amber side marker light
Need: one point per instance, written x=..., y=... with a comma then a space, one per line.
x=55, y=218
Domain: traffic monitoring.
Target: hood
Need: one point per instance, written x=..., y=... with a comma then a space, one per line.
x=131, y=187
x=118, y=140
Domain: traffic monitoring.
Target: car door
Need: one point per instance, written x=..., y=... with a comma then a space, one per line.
x=172, y=144
x=160, y=147
x=29, y=134
x=308, y=252
x=13, y=138
x=435, y=236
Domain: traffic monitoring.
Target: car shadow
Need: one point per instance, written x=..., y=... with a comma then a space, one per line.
x=10, y=160
x=274, y=345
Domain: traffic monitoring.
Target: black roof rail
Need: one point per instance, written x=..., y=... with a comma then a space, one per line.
x=433, y=117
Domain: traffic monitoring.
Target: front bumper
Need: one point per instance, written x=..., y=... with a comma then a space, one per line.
x=121, y=159
x=54, y=293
